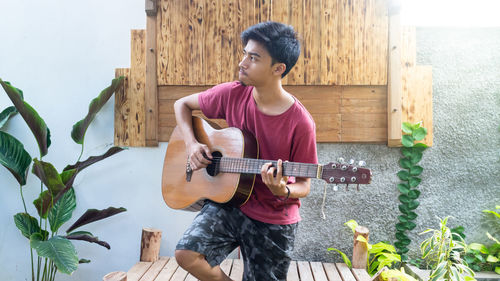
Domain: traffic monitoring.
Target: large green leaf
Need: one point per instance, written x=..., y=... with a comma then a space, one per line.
x=344, y=256
x=6, y=114
x=407, y=140
x=80, y=128
x=30, y=116
x=419, y=133
x=88, y=238
x=27, y=224
x=92, y=215
x=93, y=159
x=407, y=127
x=62, y=210
x=48, y=175
x=58, y=249
x=44, y=203
x=14, y=157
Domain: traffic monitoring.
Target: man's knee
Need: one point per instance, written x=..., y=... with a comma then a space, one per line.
x=186, y=258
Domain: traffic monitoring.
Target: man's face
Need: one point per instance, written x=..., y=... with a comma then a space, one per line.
x=255, y=66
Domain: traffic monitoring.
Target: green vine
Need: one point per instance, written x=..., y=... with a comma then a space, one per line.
x=412, y=154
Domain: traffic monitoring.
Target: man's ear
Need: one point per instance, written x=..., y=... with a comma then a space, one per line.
x=279, y=68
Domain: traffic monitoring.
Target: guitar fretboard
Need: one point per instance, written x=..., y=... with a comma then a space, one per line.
x=253, y=166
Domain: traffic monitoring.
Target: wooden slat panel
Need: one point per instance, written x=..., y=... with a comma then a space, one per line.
x=154, y=270
x=265, y=10
x=122, y=109
x=345, y=272
x=179, y=275
x=212, y=64
x=332, y=272
x=305, y=272
x=328, y=127
x=151, y=94
x=228, y=40
x=280, y=11
x=237, y=270
x=189, y=277
x=169, y=270
x=361, y=274
x=181, y=27
x=138, y=270
x=196, y=42
x=296, y=75
x=166, y=44
x=329, y=37
x=293, y=274
x=417, y=98
x=394, y=87
x=137, y=135
x=312, y=42
x=408, y=46
x=318, y=271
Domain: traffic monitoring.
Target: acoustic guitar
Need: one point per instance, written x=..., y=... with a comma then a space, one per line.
x=231, y=175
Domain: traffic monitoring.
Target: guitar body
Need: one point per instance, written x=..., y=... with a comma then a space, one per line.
x=233, y=188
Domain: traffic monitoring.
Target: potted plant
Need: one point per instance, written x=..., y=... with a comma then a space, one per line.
x=51, y=251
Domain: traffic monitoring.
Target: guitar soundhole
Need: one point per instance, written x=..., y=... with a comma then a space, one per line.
x=213, y=168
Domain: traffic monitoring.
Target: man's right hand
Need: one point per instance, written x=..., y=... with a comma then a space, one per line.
x=199, y=156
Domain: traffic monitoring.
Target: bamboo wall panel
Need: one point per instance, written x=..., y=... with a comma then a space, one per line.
x=344, y=42
x=341, y=113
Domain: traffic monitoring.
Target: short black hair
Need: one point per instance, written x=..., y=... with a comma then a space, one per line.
x=279, y=39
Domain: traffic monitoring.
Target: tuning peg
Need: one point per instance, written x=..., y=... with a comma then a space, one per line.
x=335, y=188
x=351, y=162
x=341, y=160
x=361, y=163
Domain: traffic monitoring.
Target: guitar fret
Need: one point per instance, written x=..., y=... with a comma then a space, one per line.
x=253, y=166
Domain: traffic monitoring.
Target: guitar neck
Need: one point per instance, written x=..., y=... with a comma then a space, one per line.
x=253, y=166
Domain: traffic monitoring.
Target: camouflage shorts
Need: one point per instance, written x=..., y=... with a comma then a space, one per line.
x=218, y=229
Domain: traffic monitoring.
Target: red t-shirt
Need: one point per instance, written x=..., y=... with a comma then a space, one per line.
x=290, y=136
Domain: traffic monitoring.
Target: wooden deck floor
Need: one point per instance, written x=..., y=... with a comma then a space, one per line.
x=167, y=269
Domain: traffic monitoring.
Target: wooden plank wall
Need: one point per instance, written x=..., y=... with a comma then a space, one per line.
x=344, y=42
x=342, y=77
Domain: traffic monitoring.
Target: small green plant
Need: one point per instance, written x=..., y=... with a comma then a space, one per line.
x=380, y=255
x=412, y=154
x=56, y=201
x=394, y=274
x=480, y=257
x=442, y=251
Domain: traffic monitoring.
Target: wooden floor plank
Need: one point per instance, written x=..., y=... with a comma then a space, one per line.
x=361, y=274
x=293, y=274
x=305, y=272
x=179, y=275
x=331, y=272
x=345, y=272
x=138, y=270
x=169, y=270
x=155, y=269
x=318, y=271
x=191, y=278
x=237, y=270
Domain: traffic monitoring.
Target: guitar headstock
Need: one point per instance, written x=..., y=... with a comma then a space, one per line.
x=346, y=173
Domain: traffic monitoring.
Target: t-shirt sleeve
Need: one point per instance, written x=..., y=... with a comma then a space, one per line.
x=213, y=102
x=304, y=145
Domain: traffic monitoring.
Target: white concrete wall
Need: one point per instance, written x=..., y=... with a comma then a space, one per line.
x=62, y=54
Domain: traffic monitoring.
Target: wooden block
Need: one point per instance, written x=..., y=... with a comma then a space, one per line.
x=138, y=270
x=345, y=272
x=151, y=92
x=360, y=249
x=150, y=244
x=318, y=271
x=155, y=269
x=305, y=272
x=137, y=134
x=332, y=272
x=293, y=274
x=115, y=276
x=408, y=46
x=122, y=109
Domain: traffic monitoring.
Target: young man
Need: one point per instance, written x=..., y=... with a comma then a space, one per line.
x=266, y=225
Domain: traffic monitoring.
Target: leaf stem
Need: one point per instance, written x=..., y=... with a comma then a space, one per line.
x=81, y=153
